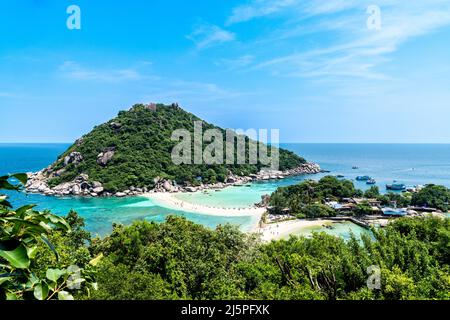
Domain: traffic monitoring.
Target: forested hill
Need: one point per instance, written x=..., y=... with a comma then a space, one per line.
x=134, y=148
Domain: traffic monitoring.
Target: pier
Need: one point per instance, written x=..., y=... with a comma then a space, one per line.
x=351, y=219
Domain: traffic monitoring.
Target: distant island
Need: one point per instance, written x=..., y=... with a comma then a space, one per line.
x=131, y=155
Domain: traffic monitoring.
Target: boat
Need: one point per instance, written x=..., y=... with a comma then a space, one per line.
x=340, y=176
x=355, y=167
x=395, y=212
x=396, y=187
x=363, y=178
x=371, y=181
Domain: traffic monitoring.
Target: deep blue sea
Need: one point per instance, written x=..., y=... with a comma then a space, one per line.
x=411, y=164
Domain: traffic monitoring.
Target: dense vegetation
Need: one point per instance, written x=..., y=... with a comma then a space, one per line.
x=178, y=260
x=307, y=199
x=181, y=260
x=141, y=141
x=42, y=256
x=432, y=196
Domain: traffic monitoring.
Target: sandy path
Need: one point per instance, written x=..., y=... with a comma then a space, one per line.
x=168, y=200
x=280, y=230
x=273, y=231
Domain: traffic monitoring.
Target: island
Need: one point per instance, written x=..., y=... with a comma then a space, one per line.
x=131, y=155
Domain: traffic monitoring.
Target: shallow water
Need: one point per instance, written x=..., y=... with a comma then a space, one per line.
x=239, y=196
x=101, y=213
x=339, y=229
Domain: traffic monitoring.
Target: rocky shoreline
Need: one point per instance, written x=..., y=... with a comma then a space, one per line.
x=83, y=187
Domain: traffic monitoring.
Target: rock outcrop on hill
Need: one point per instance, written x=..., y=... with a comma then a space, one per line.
x=81, y=185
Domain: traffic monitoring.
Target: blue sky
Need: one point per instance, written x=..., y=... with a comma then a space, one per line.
x=309, y=68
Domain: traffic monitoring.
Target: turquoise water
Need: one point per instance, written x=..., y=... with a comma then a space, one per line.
x=240, y=196
x=340, y=229
x=411, y=164
x=407, y=163
x=99, y=213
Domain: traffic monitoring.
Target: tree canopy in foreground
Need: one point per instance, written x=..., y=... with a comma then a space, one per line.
x=43, y=256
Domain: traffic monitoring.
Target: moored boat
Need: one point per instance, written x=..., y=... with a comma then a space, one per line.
x=371, y=181
x=395, y=212
x=363, y=178
x=396, y=187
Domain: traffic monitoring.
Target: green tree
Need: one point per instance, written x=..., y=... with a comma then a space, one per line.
x=23, y=231
x=432, y=196
x=363, y=209
x=372, y=193
x=310, y=192
x=317, y=210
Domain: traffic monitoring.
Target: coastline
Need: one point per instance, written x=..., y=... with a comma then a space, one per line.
x=268, y=232
x=281, y=230
x=168, y=200
x=287, y=227
x=82, y=185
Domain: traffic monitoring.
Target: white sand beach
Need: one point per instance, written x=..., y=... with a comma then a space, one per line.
x=273, y=231
x=280, y=230
x=169, y=200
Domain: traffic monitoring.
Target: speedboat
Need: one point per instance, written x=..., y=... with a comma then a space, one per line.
x=396, y=187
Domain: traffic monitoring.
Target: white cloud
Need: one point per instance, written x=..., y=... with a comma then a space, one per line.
x=6, y=95
x=160, y=89
x=73, y=70
x=237, y=63
x=354, y=50
x=259, y=8
x=208, y=35
x=320, y=7
x=191, y=91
